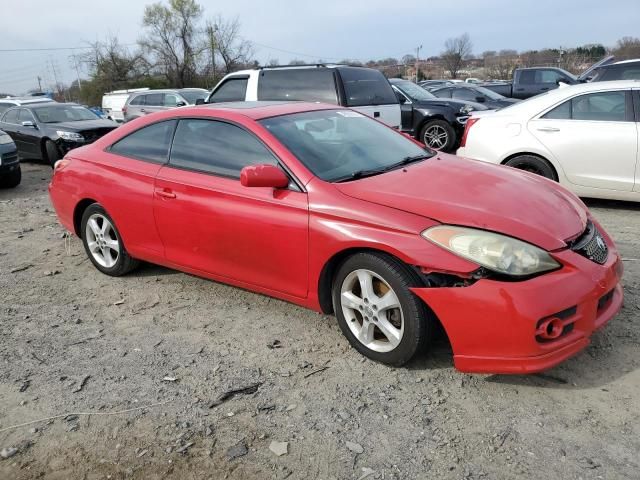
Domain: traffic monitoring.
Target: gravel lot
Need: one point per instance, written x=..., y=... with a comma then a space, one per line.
x=169, y=345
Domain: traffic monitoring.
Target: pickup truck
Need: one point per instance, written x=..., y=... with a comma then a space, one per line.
x=531, y=81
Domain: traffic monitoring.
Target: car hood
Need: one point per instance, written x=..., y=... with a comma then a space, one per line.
x=448, y=102
x=82, y=125
x=471, y=193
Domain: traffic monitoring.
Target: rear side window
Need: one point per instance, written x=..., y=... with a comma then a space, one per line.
x=621, y=73
x=443, y=93
x=216, y=147
x=4, y=106
x=527, y=77
x=11, y=116
x=232, y=90
x=311, y=85
x=149, y=143
x=139, y=100
x=363, y=86
x=154, y=99
x=465, y=94
x=601, y=106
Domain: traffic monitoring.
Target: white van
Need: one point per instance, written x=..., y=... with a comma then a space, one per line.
x=363, y=89
x=112, y=103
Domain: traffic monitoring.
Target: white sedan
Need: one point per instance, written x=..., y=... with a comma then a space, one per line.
x=584, y=136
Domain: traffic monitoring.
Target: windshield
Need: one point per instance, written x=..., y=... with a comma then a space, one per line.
x=63, y=113
x=489, y=93
x=340, y=145
x=413, y=91
x=192, y=95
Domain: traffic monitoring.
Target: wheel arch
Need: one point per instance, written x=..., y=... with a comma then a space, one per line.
x=533, y=154
x=78, y=211
x=331, y=266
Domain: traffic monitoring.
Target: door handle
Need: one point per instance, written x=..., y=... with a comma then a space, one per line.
x=548, y=129
x=143, y=110
x=165, y=194
x=544, y=88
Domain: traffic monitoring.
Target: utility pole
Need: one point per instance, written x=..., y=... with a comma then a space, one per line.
x=417, y=62
x=211, y=29
x=75, y=61
x=39, y=84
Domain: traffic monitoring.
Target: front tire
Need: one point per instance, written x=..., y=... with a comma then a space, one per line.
x=52, y=152
x=103, y=243
x=12, y=180
x=377, y=312
x=533, y=164
x=438, y=135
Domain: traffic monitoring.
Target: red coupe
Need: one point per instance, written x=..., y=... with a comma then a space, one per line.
x=332, y=210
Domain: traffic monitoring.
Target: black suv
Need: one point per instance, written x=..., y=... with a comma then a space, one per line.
x=437, y=122
x=623, y=70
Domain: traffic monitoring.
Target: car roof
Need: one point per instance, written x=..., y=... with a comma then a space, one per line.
x=622, y=62
x=261, y=109
x=40, y=104
x=26, y=101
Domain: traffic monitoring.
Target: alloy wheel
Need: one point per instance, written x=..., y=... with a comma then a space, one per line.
x=372, y=310
x=436, y=137
x=102, y=240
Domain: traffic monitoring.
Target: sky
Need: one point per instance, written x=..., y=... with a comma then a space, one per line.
x=329, y=29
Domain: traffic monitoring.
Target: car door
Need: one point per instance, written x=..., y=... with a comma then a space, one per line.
x=210, y=223
x=29, y=136
x=593, y=137
x=406, y=110
x=129, y=168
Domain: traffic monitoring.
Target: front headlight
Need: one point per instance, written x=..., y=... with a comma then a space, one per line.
x=5, y=139
x=466, y=109
x=493, y=251
x=72, y=136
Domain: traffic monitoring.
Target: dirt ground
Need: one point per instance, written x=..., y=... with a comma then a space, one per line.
x=151, y=354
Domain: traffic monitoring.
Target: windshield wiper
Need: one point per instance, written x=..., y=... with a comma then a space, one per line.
x=408, y=160
x=360, y=174
x=376, y=171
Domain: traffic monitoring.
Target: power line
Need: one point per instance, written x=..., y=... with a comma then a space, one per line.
x=50, y=49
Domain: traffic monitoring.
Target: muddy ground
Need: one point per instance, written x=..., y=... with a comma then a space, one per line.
x=152, y=352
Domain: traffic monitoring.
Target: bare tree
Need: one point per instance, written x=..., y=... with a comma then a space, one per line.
x=232, y=48
x=174, y=39
x=456, y=50
x=113, y=64
x=627, y=47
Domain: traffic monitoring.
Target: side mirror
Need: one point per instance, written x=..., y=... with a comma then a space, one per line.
x=480, y=99
x=200, y=101
x=28, y=123
x=263, y=176
x=181, y=104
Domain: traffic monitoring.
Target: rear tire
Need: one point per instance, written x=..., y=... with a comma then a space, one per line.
x=377, y=312
x=533, y=164
x=103, y=243
x=53, y=154
x=12, y=180
x=438, y=135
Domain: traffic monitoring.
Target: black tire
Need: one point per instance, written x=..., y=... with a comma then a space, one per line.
x=533, y=164
x=124, y=263
x=52, y=152
x=418, y=320
x=445, y=144
x=12, y=179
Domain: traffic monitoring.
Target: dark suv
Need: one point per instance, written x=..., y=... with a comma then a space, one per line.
x=623, y=70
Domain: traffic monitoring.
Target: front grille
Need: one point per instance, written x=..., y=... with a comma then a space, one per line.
x=10, y=157
x=591, y=245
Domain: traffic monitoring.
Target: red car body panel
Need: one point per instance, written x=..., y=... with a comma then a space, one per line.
x=280, y=242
